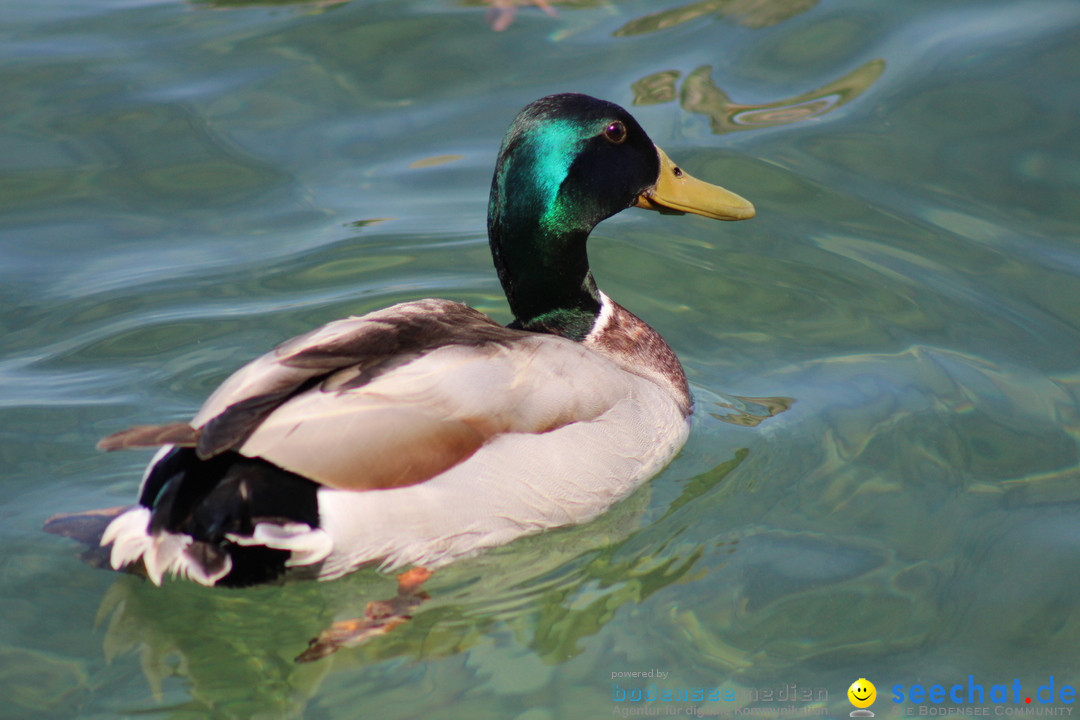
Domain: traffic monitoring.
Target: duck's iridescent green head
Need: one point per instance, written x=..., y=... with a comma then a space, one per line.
x=568, y=162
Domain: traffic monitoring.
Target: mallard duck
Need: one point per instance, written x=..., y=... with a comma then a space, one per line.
x=427, y=432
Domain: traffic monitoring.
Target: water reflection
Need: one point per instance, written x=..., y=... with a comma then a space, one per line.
x=701, y=95
x=268, y=3
x=749, y=411
x=552, y=591
x=42, y=683
x=752, y=14
x=916, y=463
x=792, y=596
x=500, y=14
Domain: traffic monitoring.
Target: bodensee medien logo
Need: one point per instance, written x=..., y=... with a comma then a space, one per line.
x=788, y=700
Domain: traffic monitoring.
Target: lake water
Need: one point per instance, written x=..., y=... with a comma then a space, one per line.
x=883, y=479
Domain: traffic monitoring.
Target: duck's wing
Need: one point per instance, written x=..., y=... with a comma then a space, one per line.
x=366, y=344
x=395, y=397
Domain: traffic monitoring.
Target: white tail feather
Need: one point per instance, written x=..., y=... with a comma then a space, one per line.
x=307, y=545
x=168, y=553
x=162, y=554
x=186, y=567
x=128, y=536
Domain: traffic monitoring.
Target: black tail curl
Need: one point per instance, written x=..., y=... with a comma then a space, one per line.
x=227, y=494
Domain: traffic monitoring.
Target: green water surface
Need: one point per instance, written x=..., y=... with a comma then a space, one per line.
x=883, y=479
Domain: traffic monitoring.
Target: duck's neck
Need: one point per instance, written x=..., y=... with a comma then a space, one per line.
x=544, y=270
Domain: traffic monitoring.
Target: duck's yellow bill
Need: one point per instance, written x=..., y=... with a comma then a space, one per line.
x=678, y=191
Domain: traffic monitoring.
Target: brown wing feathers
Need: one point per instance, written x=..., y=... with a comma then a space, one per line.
x=231, y=428
x=150, y=436
x=369, y=346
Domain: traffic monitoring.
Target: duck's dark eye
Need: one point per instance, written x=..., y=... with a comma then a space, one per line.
x=615, y=133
